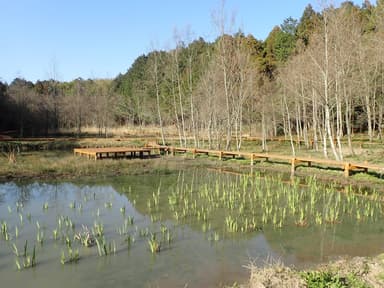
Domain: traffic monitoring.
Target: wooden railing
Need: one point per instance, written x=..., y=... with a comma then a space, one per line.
x=347, y=167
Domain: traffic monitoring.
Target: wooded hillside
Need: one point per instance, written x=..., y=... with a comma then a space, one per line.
x=319, y=78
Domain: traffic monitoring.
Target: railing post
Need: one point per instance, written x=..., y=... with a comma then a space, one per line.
x=293, y=167
x=347, y=169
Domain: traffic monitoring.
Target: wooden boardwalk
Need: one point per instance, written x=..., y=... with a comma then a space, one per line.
x=347, y=167
x=132, y=152
x=113, y=152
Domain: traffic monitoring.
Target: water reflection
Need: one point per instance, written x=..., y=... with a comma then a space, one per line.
x=194, y=257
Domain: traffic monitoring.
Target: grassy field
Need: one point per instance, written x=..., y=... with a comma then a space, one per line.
x=54, y=158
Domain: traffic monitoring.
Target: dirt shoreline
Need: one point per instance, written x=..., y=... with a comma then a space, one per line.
x=345, y=272
x=72, y=167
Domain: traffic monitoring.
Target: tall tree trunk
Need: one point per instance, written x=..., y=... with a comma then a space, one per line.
x=155, y=73
x=289, y=125
x=348, y=120
x=176, y=113
x=326, y=91
x=192, y=105
x=180, y=94
x=314, y=121
x=263, y=131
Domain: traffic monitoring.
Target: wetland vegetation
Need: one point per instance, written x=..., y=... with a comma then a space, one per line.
x=187, y=220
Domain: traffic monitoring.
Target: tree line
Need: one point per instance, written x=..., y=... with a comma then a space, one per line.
x=319, y=79
x=46, y=107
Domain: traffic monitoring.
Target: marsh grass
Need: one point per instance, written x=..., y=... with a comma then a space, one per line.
x=72, y=256
x=28, y=260
x=4, y=231
x=85, y=237
x=223, y=205
x=105, y=248
x=64, y=165
x=249, y=203
x=154, y=244
x=56, y=158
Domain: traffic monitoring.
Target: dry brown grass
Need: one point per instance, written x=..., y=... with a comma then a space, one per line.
x=369, y=271
x=126, y=131
x=274, y=275
x=365, y=272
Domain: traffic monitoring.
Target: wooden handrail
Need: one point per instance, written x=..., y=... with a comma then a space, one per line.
x=346, y=166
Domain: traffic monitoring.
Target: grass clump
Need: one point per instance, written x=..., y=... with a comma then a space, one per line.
x=72, y=256
x=357, y=272
x=323, y=279
x=154, y=244
x=28, y=260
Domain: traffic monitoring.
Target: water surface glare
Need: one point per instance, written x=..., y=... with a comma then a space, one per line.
x=209, y=226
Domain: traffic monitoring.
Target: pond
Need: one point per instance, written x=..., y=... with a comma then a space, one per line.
x=194, y=228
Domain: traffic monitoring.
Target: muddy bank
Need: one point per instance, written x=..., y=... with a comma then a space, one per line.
x=63, y=165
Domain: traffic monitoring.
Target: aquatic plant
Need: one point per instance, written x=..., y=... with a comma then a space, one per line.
x=231, y=224
x=19, y=206
x=72, y=256
x=108, y=205
x=21, y=219
x=169, y=237
x=98, y=229
x=129, y=220
x=4, y=231
x=40, y=236
x=154, y=244
x=218, y=205
x=214, y=236
x=105, y=248
x=28, y=260
x=68, y=241
x=80, y=208
x=85, y=237
x=55, y=233
x=15, y=250
x=129, y=240
x=72, y=204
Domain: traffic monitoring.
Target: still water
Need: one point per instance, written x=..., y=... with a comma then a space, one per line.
x=203, y=239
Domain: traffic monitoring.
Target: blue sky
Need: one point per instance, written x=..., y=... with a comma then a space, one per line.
x=67, y=39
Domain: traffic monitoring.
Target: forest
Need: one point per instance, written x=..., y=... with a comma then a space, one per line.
x=319, y=79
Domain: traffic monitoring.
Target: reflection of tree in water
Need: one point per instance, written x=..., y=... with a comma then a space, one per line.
x=2, y=197
x=23, y=195
x=15, y=192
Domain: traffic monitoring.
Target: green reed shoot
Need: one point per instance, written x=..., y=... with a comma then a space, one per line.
x=72, y=256
x=154, y=244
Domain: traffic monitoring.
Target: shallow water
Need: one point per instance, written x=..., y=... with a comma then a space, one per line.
x=193, y=258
